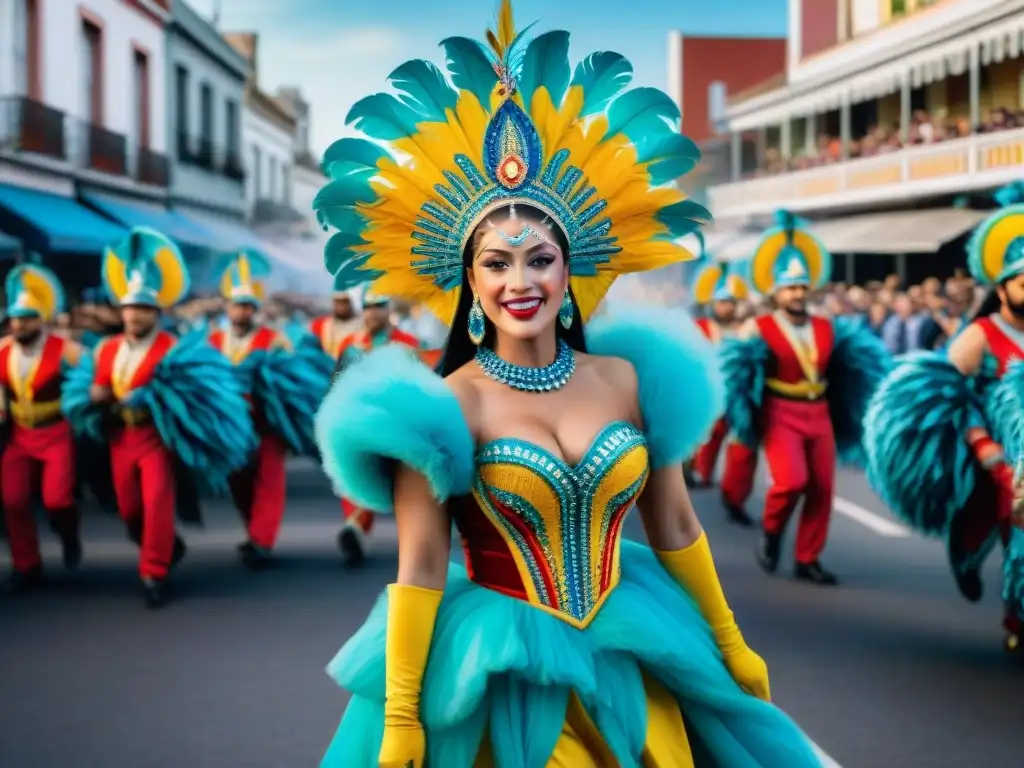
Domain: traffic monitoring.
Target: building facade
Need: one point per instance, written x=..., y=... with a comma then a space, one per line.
x=205, y=106
x=82, y=111
x=894, y=123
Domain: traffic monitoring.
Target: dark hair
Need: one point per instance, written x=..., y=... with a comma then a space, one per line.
x=458, y=349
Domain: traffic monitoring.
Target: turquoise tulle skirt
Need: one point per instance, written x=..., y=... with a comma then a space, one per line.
x=500, y=665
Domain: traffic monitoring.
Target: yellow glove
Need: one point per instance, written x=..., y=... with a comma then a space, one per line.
x=411, y=615
x=694, y=569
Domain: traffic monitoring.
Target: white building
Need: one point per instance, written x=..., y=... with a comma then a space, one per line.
x=82, y=87
x=889, y=113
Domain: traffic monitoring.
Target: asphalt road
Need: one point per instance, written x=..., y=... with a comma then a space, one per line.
x=892, y=668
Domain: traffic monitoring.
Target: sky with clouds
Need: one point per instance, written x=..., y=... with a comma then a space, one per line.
x=338, y=51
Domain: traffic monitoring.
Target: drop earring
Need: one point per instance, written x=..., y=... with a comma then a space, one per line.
x=565, y=311
x=476, y=326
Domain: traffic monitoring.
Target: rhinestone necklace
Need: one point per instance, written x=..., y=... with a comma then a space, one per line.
x=546, y=379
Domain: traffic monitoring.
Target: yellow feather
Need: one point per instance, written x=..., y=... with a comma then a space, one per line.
x=506, y=26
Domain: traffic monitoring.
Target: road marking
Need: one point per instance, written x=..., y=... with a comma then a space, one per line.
x=880, y=525
x=827, y=761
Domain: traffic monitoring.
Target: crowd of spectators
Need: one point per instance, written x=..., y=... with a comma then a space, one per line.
x=881, y=139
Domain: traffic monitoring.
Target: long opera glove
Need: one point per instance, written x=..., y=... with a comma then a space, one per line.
x=694, y=569
x=411, y=615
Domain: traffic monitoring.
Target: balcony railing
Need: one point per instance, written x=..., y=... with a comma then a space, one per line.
x=28, y=126
x=948, y=167
x=106, y=151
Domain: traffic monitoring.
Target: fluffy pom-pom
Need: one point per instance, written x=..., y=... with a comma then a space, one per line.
x=858, y=365
x=390, y=406
x=681, y=388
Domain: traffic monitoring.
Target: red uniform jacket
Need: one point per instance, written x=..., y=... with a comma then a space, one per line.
x=1003, y=348
x=35, y=400
x=797, y=371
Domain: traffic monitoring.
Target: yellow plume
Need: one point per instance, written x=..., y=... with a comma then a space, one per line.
x=506, y=32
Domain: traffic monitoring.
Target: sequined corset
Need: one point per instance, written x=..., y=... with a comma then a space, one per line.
x=547, y=532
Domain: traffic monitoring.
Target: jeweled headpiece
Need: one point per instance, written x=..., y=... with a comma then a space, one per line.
x=788, y=254
x=995, y=251
x=511, y=123
x=717, y=280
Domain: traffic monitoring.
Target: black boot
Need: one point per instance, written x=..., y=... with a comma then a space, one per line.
x=815, y=574
x=179, y=551
x=64, y=523
x=768, y=551
x=20, y=582
x=352, y=543
x=154, y=593
x=737, y=515
x=72, y=552
x=254, y=557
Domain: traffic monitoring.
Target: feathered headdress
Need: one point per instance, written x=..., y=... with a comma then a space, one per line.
x=145, y=269
x=33, y=291
x=995, y=251
x=788, y=254
x=716, y=280
x=511, y=123
x=242, y=276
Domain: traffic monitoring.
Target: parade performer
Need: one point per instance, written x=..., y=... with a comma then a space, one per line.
x=39, y=454
x=513, y=205
x=332, y=330
x=719, y=286
x=799, y=386
x=284, y=387
x=376, y=332
x=945, y=428
x=153, y=398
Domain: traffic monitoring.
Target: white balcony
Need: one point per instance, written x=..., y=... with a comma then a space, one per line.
x=960, y=165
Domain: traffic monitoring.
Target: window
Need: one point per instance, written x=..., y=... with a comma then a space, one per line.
x=27, y=80
x=286, y=183
x=20, y=49
x=898, y=7
x=92, y=72
x=206, y=113
x=181, y=102
x=273, y=178
x=257, y=163
x=231, y=126
x=141, y=91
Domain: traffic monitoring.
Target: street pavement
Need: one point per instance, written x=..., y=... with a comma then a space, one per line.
x=892, y=668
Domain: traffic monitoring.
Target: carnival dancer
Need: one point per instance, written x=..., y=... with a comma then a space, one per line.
x=798, y=385
x=284, y=387
x=332, y=330
x=376, y=332
x=944, y=429
x=512, y=207
x=152, y=398
x=719, y=286
x=39, y=455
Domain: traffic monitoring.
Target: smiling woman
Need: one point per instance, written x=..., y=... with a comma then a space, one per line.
x=525, y=190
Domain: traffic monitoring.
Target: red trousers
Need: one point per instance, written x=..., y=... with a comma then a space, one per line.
x=358, y=516
x=740, y=464
x=801, y=451
x=258, y=492
x=987, y=515
x=40, y=459
x=143, y=473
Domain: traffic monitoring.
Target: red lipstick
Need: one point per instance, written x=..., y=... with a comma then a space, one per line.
x=523, y=309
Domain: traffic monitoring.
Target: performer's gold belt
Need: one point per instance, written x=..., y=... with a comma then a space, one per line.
x=31, y=415
x=804, y=390
x=134, y=417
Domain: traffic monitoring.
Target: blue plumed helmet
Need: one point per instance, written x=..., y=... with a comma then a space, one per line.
x=371, y=298
x=787, y=255
x=145, y=269
x=716, y=280
x=242, y=276
x=33, y=291
x=995, y=251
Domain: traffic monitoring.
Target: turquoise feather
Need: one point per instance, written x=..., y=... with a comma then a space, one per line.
x=423, y=87
x=1013, y=572
x=470, y=67
x=516, y=53
x=603, y=75
x=338, y=251
x=1011, y=194
x=684, y=217
x=382, y=116
x=669, y=158
x=336, y=203
x=643, y=115
x=546, y=65
x=743, y=363
x=356, y=155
